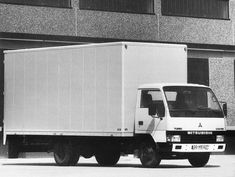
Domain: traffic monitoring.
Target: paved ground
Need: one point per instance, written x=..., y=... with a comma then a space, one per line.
x=218, y=166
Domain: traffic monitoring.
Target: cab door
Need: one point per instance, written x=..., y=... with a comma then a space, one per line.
x=150, y=110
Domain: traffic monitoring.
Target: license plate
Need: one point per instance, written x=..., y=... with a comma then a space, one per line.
x=200, y=147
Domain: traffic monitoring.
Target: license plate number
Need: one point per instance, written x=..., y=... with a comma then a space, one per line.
x=200, y=147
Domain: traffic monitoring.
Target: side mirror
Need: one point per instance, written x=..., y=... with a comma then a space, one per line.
x=225, y=108
x=152, y=111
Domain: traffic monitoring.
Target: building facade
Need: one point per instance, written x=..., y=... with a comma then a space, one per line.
x=206, y=26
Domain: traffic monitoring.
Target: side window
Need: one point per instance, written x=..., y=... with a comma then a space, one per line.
x=152, y=99
x=171, y=98
x=212, y=101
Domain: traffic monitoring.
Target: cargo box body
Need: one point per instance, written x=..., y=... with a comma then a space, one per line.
x=86, y=90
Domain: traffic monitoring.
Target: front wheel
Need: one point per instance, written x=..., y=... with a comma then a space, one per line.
x=149, y=155
x=199, y=159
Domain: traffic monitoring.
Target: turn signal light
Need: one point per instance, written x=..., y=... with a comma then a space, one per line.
x=219, y=138
x=174, y=138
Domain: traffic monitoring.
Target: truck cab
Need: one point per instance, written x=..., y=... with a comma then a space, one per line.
x=183, y=120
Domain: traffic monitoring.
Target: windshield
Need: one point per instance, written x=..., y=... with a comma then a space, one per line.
x=187, y=101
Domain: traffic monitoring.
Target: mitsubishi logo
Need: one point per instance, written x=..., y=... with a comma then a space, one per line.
x=200, y=125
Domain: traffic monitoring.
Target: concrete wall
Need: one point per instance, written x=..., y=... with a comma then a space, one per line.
x=37, y=20
x=222, y=82
x=76, y=22
x=221, y=77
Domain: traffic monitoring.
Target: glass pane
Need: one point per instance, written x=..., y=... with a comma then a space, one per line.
x=130, y=6
x=218, y=9
x=198, y=71
x=192, y=102
x=152, y=99
x=49, y=3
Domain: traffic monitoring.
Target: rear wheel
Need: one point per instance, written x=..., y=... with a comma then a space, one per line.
x=107, y=155
x=65, y=154
x=199, y=159
x=13, y=147
x=149, y=155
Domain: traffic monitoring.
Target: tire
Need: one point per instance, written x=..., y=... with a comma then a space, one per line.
x=13, y=148
x=65, y=154
x=199, y=159
x=149, y=155
x=107, y=155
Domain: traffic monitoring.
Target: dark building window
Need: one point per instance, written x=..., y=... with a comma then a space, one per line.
x=128, y=6
x=217, y=9
x=49, y=3
x=1, y=86
x=198, y=71
x=234, y=73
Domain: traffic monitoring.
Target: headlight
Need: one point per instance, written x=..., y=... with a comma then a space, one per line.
x=174, y=138
x=219, y=138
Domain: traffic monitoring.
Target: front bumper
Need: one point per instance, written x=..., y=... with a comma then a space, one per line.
x=178, y=147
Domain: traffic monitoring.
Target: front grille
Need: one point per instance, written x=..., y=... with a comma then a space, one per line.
x=198, y=138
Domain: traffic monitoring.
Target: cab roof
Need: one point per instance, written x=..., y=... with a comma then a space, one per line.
x=161, y=85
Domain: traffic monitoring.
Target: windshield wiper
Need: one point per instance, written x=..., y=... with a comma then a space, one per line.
x=184, y=110
x=204, y=108
x=208, y=109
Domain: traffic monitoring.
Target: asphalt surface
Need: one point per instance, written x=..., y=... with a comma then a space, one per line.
x=218, y=166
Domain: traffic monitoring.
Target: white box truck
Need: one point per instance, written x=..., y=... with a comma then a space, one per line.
x=104, y=100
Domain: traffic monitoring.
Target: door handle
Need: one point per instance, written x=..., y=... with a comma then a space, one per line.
x=141, y=123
